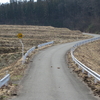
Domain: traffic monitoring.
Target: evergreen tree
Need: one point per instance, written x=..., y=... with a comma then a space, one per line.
x=74, y=14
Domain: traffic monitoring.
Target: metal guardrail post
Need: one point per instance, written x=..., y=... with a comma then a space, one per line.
x=22, y=49
x=33, y=48
x=4, y=81
x=89, y=75
x=85, y=68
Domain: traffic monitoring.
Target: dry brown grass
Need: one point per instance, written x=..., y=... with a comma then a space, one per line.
x=88, y=54
x=33, y=35
x=10, y=47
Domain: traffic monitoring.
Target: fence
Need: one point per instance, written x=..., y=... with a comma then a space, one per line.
x=85, y=68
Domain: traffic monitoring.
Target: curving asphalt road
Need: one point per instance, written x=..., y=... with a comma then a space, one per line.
x=49, y=78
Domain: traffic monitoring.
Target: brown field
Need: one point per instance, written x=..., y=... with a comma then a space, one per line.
x=10, y=48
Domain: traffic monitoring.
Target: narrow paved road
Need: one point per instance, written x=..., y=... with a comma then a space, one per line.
x=49, y=78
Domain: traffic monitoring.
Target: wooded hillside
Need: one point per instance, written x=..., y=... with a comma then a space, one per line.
x=74, y=14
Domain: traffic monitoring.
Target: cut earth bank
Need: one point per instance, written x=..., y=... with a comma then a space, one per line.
x=89, y=55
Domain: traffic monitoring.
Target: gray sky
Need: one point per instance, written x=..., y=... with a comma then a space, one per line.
x=4, y=1
x=7, y=1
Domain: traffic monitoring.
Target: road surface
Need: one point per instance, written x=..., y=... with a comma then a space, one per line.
x=49, y=78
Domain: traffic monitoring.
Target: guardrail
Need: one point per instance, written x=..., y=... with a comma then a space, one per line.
x=84, y=67
x=4, y=81
x=44, y=44
x=27, y=53
x=33, y=49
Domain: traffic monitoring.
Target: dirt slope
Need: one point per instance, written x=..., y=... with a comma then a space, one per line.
x=88, y=54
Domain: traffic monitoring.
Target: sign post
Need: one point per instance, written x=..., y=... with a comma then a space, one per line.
x=20, y=36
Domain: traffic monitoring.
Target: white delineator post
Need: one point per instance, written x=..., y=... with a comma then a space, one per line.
x=20, y=36
x=22, y=49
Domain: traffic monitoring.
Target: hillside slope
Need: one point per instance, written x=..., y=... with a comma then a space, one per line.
x=89, y=54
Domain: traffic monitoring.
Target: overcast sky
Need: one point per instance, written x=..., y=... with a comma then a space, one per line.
x=4, y=1
x=7, y=1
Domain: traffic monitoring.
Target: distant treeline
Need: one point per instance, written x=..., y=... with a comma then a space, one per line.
x=74, y=14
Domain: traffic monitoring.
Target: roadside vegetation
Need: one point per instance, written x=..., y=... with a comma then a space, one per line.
x=88, y=54
x=19, y=17
x=10, y=49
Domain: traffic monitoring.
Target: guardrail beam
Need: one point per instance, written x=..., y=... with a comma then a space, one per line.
x=85, y=68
